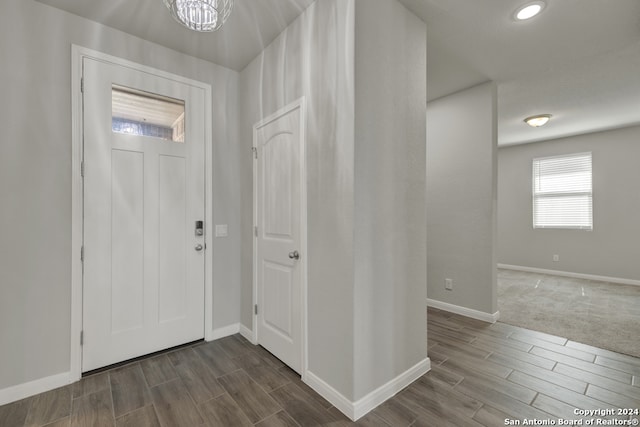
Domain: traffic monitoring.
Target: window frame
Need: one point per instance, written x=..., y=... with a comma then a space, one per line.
x=547, y=195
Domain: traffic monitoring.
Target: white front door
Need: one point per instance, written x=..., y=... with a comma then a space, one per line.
x=278, y=206
x=143, y=283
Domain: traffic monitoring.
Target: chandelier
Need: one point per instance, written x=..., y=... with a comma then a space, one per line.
x=200, y=15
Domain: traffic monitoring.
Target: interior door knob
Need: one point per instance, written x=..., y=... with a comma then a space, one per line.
x=294, y=255
x=199, y=247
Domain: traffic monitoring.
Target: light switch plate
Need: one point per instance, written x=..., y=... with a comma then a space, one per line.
x=222, y=230
x=448, y=284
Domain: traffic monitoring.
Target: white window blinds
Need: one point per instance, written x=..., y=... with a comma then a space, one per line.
x=562, y=192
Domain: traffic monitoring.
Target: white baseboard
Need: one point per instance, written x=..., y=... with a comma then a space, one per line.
x=391, y=388
x=332, y=395
x=225, y=331
x=464, y=311
x=248, y=334
x=571, y=274
x=356, y=410
x=20, y=391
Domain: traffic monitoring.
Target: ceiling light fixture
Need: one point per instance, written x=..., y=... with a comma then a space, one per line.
x=537, y=121
x=200, y=15
x=529, y=10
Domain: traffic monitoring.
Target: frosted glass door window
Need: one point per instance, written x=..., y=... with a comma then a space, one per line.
x=146, y=114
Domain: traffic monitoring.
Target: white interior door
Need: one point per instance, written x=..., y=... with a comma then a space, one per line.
x=279, y=270
x=143, y=278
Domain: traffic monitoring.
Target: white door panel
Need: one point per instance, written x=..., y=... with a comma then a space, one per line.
x=277, y=288
x=172, y=221
x=143, y=284
x=127, y=241
x=279, y=179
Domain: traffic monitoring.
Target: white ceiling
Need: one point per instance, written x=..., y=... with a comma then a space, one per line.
x=579, y=60
x=253, y=24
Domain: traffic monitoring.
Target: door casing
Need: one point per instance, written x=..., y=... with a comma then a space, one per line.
x=77, y=198
x=300, y=103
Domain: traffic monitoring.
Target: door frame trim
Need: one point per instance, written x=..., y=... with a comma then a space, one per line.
x=300, y=103
x=77, y=197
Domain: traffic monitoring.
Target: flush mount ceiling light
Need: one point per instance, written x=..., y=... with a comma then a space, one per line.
x=537, y=121
x=529, y=10
x=200, y=15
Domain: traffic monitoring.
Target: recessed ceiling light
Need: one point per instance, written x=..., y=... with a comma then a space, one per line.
x=537, y=121
x=529, y=10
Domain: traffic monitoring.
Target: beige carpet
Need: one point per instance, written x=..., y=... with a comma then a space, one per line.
x=600, y=314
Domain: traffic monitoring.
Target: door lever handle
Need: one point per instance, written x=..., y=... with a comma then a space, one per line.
x=294, y=255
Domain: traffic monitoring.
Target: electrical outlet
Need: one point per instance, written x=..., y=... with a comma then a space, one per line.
x=448, y=284
x=556, y=258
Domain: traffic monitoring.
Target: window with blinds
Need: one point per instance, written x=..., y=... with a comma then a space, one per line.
x=562, y=192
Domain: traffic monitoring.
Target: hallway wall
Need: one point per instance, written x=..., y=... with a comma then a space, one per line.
x=313, y=58
x=461, y=198
x=35, y=179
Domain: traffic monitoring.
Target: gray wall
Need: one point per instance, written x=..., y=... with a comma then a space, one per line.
x=35, y=179
x=313, y=57
x=390, y=175
x=461, y=198
x=613, y=247
x=366, y=183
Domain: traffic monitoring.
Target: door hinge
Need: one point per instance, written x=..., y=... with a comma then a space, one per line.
x=82, y=85
x=82, y=254
x=81, y=337
x=255, y=152
x=255, y=309
x=82, y=169
x=255, y=230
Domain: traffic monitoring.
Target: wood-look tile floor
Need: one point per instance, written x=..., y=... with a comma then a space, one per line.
x=481, y=375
